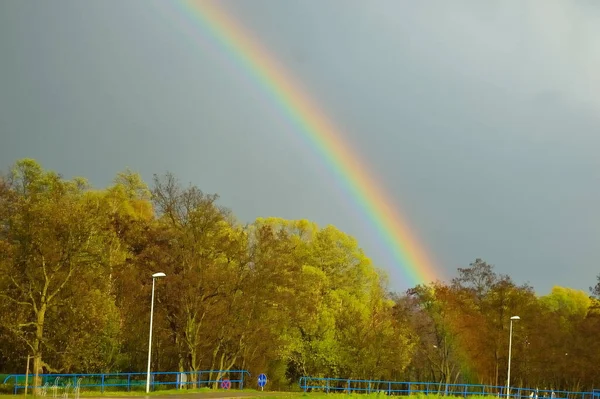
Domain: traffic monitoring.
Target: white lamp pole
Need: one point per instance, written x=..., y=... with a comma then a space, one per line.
x=154, y=277
x=509, y=353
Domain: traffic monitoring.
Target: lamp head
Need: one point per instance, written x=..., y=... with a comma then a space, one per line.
x=515, y=318
x=160, y=274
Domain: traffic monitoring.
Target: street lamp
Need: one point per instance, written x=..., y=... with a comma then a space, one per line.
x=509, y=353
x=154, y=277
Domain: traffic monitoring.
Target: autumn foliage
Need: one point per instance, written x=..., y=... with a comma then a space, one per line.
x=278, y=296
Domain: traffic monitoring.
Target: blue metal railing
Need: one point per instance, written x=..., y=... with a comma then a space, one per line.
x=128, y=381
x=343, y=385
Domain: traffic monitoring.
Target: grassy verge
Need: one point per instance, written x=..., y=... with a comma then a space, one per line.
x=271, y=395
x=108, y=394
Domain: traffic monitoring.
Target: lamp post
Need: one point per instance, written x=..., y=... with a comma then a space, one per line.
x=509, y=354
x=154, y=277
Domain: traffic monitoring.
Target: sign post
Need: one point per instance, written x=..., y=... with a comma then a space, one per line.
x=262, y=381
x=26, y=376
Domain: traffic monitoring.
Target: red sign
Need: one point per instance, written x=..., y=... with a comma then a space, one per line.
x=225, y=384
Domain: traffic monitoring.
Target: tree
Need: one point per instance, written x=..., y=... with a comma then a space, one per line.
x=596, y=290
x=282, y=296
x=567, y=303
x=436, y=318
x=53, y=236
x=205, y=259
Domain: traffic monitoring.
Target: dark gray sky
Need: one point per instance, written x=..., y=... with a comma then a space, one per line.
x=480, y=118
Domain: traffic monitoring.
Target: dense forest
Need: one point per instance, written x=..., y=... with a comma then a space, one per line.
x=284, y=297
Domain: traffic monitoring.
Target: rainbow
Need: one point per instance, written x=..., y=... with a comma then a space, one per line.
x=327, y=140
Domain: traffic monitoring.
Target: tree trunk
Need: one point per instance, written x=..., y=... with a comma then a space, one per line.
x=220, y=374
x=497, y=372
x=37, y=348
x=212, y=366
x=194, y=366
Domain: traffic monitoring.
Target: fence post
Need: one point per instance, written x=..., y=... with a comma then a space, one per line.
x=409, y=388
x=102, y=384
x=389, y=388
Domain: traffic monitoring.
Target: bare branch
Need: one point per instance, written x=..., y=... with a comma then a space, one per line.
x=35, y=308
x=19, y=335
x=31, y=323
x=61, y=286
x=10, y=298
x=12, y=279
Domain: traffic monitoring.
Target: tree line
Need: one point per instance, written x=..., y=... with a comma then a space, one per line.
x=284, y=297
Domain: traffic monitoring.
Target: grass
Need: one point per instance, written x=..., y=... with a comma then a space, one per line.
x=165, y=392
x=271, y=395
